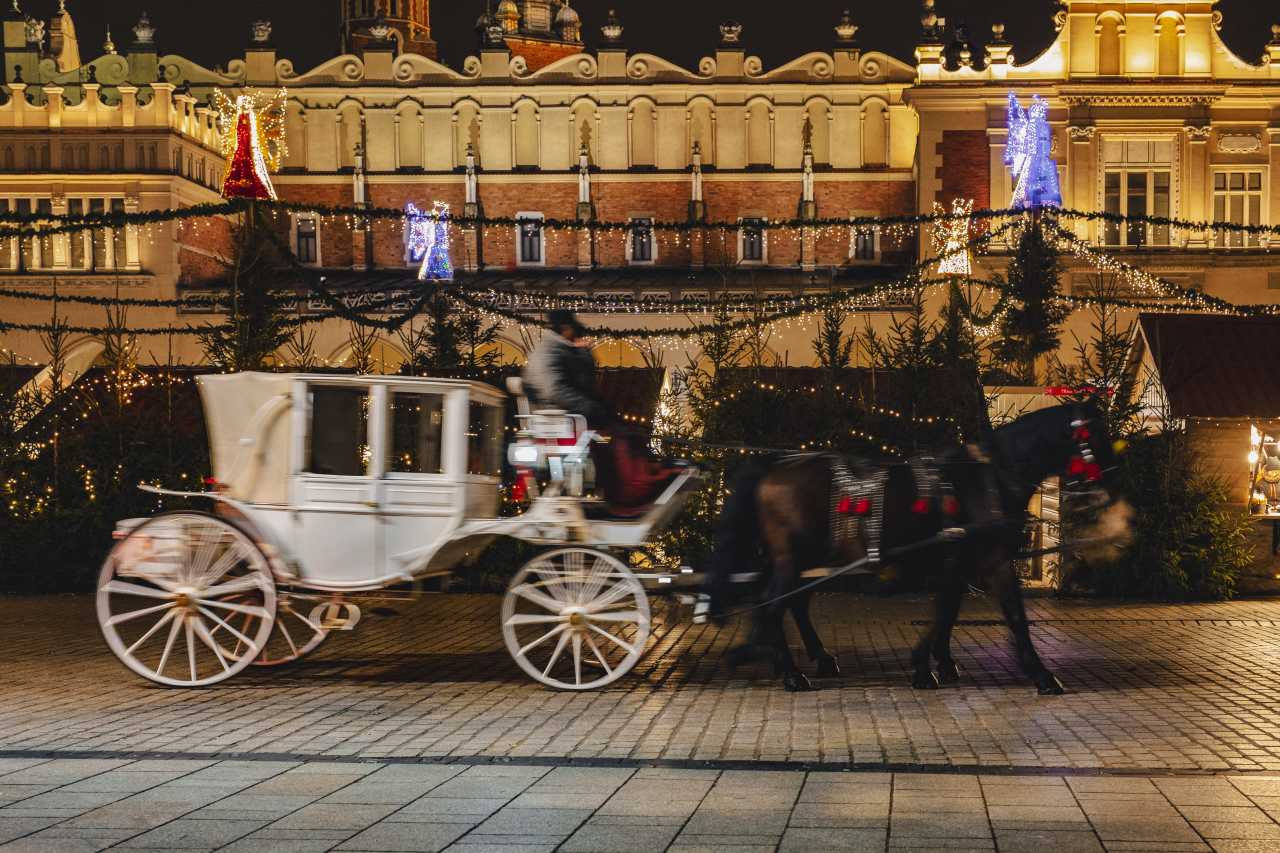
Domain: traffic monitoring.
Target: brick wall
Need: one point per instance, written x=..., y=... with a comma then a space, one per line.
x=965, y=167
x=615, y=201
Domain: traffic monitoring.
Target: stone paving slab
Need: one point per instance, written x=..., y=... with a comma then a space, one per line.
x=1152, y=688
x=857, y=811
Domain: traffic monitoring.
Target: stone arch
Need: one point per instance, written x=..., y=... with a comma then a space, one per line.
x=618, y=353
x=701, y=116
x=508, y=352
x=643, y=122
x=350, y=132
x=1170, y=32
x=759, y=132
x=526, y=134
x=818, y=111
x=295, y=126
x=387, y=357
x=409, y=133
x=584, y=121
x=466, y=131
x=875, y=132
x=1108, y=33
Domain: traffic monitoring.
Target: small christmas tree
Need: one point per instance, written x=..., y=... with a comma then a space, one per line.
x=1031, y=327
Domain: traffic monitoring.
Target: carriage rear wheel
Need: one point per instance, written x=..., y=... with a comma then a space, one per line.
x=178, y=594
x=576, y=619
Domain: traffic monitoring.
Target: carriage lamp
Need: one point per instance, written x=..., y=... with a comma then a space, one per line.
x=1253, y=457
x=526, y=454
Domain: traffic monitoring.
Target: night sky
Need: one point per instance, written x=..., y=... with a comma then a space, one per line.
x=680, y=30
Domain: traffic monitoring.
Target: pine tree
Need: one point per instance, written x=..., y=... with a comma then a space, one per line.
x=1033, y=323
x=258, y=324
x=832, y=347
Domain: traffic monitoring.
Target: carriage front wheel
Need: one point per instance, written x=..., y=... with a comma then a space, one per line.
x=180, y=594
x=575, y=619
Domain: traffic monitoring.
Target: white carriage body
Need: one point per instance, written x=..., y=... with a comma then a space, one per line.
x=331, y=484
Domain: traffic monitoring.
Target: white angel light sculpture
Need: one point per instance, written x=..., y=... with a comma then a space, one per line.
x=428, y=240
x=951, y=238
x=1027, y=155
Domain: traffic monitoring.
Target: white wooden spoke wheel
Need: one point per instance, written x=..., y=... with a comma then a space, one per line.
x=575, y=619
x=179, y=592
x=296, y=631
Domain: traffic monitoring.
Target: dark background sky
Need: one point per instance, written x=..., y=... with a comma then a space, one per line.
x=213, y=31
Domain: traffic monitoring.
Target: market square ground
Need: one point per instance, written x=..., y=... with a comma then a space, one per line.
x=417, y=732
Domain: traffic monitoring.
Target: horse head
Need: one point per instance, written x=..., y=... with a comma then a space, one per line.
x=1104, y=517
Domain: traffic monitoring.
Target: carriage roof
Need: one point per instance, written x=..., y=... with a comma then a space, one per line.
x=250, y=437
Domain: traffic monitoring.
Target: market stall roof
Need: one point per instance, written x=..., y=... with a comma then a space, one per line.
x=1212, y=366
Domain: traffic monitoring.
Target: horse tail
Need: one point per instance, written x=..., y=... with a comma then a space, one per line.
x=737, y=539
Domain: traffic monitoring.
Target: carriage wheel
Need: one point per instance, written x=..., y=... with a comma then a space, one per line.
x=174, y=594
x=575, y=619
x=295, y=633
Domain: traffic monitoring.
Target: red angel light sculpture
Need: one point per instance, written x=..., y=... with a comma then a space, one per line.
x=252, y=130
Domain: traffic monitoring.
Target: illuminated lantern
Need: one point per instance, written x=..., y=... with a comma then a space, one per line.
x=252, y=132
x=428, y=241
x=1027, y=154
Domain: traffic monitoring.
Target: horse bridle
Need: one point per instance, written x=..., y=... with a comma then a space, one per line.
x=1084, y=474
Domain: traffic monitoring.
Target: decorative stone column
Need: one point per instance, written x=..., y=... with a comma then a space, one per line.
x=61, y=242
x=697, y=212
x=472, y=242
x=586, y=212
x=132, y=247
x=1197, y=166
x=361, y=237
x=808, y=205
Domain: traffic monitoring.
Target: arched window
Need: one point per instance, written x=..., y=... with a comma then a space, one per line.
x=351, y=135
x=466, y=131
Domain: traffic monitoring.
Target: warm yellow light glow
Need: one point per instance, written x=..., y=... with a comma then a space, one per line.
x=1253, y=457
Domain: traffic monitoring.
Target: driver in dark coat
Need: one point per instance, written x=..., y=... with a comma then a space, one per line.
x=561, y=374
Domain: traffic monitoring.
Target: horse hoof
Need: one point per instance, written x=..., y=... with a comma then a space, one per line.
x=796, y=682
x=924, y=680
x=828, y=667
x=739, y=656
x=1047, y=684
x=948, y=673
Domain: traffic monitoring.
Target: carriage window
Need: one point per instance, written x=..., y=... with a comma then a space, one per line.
x=338, y=438
x=417, y=422
x=484, y=440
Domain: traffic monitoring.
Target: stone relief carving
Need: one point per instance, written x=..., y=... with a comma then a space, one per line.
x=1238, y=142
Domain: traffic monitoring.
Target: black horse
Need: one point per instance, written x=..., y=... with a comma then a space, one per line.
x=969, y=530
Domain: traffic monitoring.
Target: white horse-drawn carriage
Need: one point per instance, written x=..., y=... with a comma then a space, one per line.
x=325, y=486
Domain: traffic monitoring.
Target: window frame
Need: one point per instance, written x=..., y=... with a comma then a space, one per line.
x=854, y=232
x=533, y=216
x=746, y=223
x=631, y=241
x=296, y=220
x=390, y=440
x=1260, y=240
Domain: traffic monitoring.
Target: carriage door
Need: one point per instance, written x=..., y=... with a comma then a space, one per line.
x=335, y=490
x=420, y=495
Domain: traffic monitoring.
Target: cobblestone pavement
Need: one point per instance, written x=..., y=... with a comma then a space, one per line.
x=92, y=804
x=1153, y=689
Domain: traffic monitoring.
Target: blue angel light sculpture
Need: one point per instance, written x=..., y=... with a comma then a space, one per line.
x=428, y=241
x=1027, y=155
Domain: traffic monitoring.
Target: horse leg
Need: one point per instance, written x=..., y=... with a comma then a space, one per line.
x=1015, y=615
x=783, y=581
x=922, y=677
x=828, y=666
x=946, y=609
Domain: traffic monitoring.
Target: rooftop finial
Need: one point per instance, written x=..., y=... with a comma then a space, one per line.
x=612, y=29
x=108, y=46
x=730, y=33
x=846, y=29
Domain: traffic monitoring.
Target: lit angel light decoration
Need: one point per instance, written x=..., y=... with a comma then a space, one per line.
x=951, y=238
x=253, y=141
x=428, y=240
x=1027, y=155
